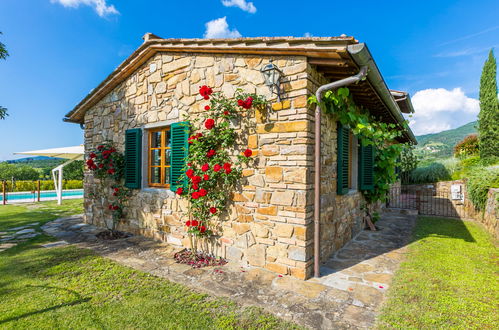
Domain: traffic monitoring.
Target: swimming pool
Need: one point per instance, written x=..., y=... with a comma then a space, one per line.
x=46, y=195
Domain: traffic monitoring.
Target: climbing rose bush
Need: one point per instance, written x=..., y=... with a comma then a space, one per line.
x=214, y=167
x=108, y=165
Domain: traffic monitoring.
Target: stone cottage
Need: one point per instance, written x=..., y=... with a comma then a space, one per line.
x=270, y=222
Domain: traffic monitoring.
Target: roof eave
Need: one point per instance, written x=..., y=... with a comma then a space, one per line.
x=310, y=47
x=362, y=56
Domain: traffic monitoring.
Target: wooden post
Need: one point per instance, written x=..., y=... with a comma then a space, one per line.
x=38, y=189
x=4, y=192
x=418, y=200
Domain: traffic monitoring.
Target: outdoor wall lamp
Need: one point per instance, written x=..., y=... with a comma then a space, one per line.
x=272, y=76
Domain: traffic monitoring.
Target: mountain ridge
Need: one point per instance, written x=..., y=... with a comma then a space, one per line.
x=441, y=144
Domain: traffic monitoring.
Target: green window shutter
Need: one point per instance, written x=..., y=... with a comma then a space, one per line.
x=179, y=154
x=133, y=158
x=366, y=167
x=343, y=159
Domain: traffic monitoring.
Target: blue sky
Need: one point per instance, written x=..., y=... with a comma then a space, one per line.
x=61, y=49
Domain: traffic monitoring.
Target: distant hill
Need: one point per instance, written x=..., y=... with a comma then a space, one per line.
x=37, y=161
x=440, y=145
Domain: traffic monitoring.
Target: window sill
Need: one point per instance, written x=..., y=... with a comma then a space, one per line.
x=159, y=191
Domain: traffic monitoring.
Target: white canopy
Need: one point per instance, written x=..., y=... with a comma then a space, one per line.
x=73, y=153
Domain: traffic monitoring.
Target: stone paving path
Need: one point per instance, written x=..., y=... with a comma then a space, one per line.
x=14, y=236
x=348, y=295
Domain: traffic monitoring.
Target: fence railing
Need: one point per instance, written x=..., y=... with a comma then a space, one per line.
x=34, y=195
x=429, y=200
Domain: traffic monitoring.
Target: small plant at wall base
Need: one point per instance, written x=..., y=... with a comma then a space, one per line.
x=107, y=164
x=340, y=104
x=213, y=169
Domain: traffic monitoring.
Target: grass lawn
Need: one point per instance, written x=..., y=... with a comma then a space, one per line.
x=67, y=287
x=449, y=279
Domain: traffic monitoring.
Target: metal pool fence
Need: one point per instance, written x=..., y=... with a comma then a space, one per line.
x=36, y=195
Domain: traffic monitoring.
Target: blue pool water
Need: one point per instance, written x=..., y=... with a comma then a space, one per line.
x=44, y=195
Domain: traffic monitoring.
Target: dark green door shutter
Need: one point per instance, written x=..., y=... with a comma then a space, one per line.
x=366, y=167
x=179, y=149
x=343, y=159
x=133, y=158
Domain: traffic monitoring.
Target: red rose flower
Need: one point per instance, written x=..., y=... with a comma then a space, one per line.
x=92, y=155
x=248, y=103
x=240, y=103
x=210, y=153
x=116, y=207
x=226, y=112
x=213, y=210
x=116, y=190
x=100, y=147
x=228, y=170
x=248, y=153
x=100, y=165
x=111, y=171
x=202, y=229
x=199, y=135
x=206, y=177
x=189, y=173
x=90, y=162
x=205, y=92
x=110, y=207
x=196, y=179
x=217, y=167
x=209, y=123
x=188, y=223
x=207, y=107
x=202, y=192
x=194, y=223
x=115, y=194
x=195, y=186
x=227, y=166
x=205, y=167
x=195, y=195
x=180, y=190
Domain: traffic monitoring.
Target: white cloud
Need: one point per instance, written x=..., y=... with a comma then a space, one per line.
x=218, y=28
x=440, y=109
x=307, y=35
x=242, y=4
x=100, y=6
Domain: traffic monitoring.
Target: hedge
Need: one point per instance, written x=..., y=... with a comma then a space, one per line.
x=44, y=185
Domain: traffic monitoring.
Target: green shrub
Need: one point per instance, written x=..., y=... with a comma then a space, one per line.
x=44, y=185
x=467, y=146
x=434, y=172
x=479, y=183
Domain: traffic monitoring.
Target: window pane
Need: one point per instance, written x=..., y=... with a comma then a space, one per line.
x=155, y=139
x=168, y=139
x=167, y=156
x=155, y=157
x=167, y=175
x=155, y=175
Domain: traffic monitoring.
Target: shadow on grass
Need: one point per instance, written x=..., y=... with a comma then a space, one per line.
x=394, y=233
x=433, y=226
x=79, y=300
x=30, y=259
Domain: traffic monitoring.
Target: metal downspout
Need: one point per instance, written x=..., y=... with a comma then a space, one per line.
x=317, y=181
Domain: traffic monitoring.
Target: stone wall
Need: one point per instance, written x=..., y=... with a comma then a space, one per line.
x=341, y=217
x=270, y=222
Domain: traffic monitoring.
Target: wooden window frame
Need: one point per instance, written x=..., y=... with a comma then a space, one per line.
x=163, y=148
